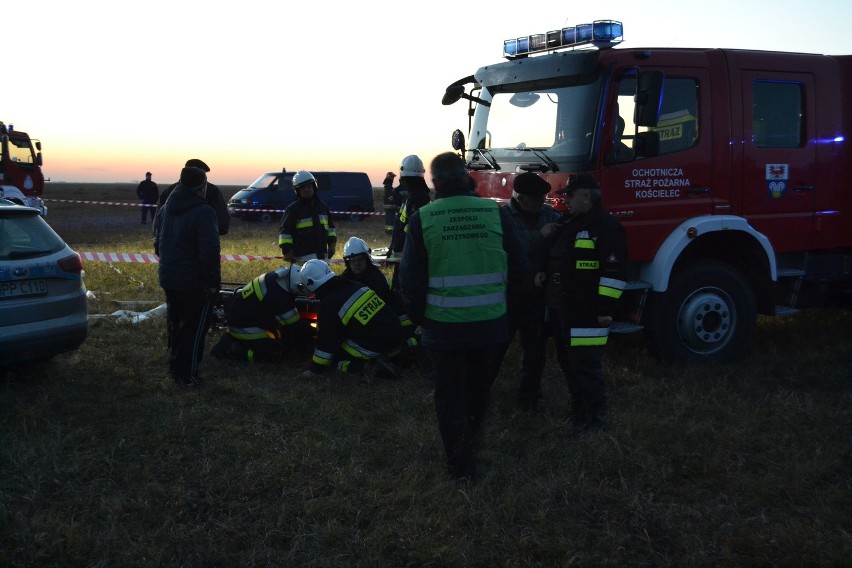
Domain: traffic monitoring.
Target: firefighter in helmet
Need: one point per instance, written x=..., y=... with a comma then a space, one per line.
x=354, y=324
x=360, y=268
x=390, y=202
x=262, y=319
x=307, y=226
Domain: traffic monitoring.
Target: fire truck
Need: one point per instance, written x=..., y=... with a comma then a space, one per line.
x=730, y=170
x=21, y=179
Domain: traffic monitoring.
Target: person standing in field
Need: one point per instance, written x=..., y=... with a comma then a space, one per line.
x=583, y=270
x=214, y=197
x=461, y=271
x=413, y=188
x=307, y=227
x=148, y=192
x=187, y=242
x=529, y=214
x=389, y=202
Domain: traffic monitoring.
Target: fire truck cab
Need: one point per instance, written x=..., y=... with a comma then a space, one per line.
x=21, y=179
x=729, y=169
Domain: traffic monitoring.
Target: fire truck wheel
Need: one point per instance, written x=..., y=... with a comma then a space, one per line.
x=708, y=314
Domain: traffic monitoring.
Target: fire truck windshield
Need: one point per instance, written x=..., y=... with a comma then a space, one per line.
x=20, y=150
x=550, y=124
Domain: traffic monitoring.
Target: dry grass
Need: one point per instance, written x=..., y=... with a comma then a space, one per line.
x=106, y=463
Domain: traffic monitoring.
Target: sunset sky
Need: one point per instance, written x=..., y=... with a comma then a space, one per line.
x=113, y=89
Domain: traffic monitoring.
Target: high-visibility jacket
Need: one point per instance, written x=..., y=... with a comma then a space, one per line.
x=307, y=230
x=353, y=319
x=586, y=274
x=260, y=308
x=468, y=268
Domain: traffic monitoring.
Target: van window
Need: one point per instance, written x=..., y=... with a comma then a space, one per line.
x=778, y=114
x=323, y=183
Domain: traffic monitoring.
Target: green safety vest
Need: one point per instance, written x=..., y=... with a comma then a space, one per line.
x=468, y=266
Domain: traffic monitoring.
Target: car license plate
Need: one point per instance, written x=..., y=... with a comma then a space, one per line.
x=22, y=289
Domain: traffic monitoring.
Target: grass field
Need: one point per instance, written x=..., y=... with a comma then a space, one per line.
x=105, y=462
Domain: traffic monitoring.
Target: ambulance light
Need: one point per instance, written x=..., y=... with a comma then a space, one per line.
x=600, y=33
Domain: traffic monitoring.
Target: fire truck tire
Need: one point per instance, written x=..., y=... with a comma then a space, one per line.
x=709, y=313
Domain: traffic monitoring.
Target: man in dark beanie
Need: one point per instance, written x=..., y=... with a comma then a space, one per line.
x=583, y=268
x=213, y=196
x=461, y=267
x=529, y=215
x=186, y=238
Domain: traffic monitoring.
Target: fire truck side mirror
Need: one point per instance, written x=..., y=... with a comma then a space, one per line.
x=458, y=140
x=453, y=94
x=38, y=160
x=646, y=144
x=648, y=98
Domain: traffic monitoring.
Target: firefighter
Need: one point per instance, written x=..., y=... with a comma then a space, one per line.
x=307, y=226
x=460, y=274
x=584, y=276
x=354, y=324
x=415, y=192
x=529, y=215
x=390, y=202
x=360, y=268
x=260, y=316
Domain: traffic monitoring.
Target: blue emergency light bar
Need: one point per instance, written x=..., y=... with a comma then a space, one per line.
x=600, y=33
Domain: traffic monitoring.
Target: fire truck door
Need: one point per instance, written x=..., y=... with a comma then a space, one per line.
x=779, y=158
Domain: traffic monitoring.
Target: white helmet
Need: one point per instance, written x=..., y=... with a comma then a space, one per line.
x=302, y=177
x=314, y=274
x=411, y=166
x=355, y=246
x=288, y=278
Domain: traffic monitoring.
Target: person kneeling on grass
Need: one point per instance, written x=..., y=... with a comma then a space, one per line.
x=360, y=269
x=258, y=314
x=354, y=325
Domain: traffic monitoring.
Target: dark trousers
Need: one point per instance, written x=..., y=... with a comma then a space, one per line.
x=529, y=326
x=188, y=319
x=152, y=211
x=583, y=372
x=463, y=379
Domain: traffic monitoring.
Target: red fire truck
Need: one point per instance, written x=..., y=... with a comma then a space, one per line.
x=21, y=179
x=731, y=170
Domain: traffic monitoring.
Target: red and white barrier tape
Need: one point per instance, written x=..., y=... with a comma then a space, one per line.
x=129, y=204
x=154, y=259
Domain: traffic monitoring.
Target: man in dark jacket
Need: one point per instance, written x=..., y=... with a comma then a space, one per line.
x=186, y=238
x=584, y=272
x=461, y=271
x=529, y=215
x=354, y=324
x=148, y=192
x=307, y=227
x=214, y=197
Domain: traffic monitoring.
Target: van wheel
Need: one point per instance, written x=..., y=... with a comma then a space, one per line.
x=353, y=213
x=708, y=314
x=265, y=217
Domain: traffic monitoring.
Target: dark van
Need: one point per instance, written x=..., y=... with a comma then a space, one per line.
x=345, y=193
